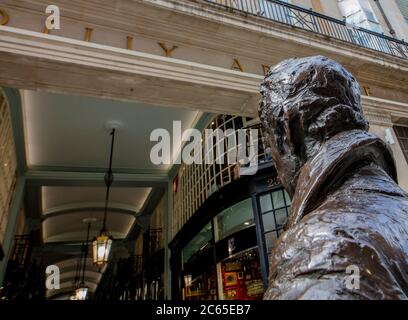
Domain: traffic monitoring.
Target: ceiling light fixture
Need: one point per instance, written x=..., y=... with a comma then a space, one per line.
x=81, y=293
x=77, y=275
x=102, y=244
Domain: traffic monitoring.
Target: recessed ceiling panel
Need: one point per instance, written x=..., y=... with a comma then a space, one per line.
x=70, y=226
x=69, y=131
x=66, y=198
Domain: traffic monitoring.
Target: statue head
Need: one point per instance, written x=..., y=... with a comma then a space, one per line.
x=305, y=102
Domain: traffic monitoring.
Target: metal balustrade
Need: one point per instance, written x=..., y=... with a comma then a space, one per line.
x=195, y=183
x=309, y=20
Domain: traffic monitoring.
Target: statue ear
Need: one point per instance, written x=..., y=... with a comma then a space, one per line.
x=277, y=137
x=295, y=134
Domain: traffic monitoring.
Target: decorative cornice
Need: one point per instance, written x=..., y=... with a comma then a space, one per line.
x=383, y=119
x=72, y=66
x=381, y=111
x=55, y=48
x=33, y=60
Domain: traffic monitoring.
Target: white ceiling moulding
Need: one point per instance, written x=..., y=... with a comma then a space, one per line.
x=66, y=228
x=56, y=200
x=89, y=206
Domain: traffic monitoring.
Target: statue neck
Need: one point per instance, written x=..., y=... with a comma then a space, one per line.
x=336, y=159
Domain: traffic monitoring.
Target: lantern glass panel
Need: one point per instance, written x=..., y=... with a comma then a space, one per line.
x=101, y=249
x=81, y=293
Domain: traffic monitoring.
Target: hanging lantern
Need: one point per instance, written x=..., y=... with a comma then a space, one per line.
x=81, y=291
x=101, y=249
x=77, y=276
x=102, y=244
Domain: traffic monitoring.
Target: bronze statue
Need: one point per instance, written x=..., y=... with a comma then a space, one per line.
x=348, y=214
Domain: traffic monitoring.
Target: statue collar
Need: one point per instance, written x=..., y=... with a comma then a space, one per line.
x=330, y=166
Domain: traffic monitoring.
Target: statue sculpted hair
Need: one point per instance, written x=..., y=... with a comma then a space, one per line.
x=305, y=102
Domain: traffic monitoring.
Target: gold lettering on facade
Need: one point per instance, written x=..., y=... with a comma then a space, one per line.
x=166, y=50
x=88, y=33
x=5, y=18
x=129, y=43
x=237, y=65
x=367, y=91
x=265, y=69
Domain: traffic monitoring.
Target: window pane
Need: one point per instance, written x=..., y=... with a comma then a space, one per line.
x=404, y=143
x=270, y=239
x=274, y=220
x=269, y=221
x=201, y=286
x=235, y=218
x=403, y=4
x=266, y=203
x=402, y=134
x=349, y=7
x=200, y=242
x=281, y=217
x=287, y=198
x=278, y=201
x=241, y=276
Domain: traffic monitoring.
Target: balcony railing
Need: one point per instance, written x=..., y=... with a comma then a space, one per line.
x=312, y=21
x=195, y=183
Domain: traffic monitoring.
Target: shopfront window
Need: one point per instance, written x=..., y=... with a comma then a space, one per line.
x=199, y=243
x=228, y=265
x=202, y=286
x=224, y=261
x=238, y=267
x=199, y=272
x=241, y=276
x=275, y=207
x=235, y=218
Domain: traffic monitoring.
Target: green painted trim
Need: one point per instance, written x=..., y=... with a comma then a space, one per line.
x=168, y=227
x=63, y=178
x=97, y=170
x=143, y=219
x=1, y=252
x=11, y=225
x=205, y=119
x=13, y=98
